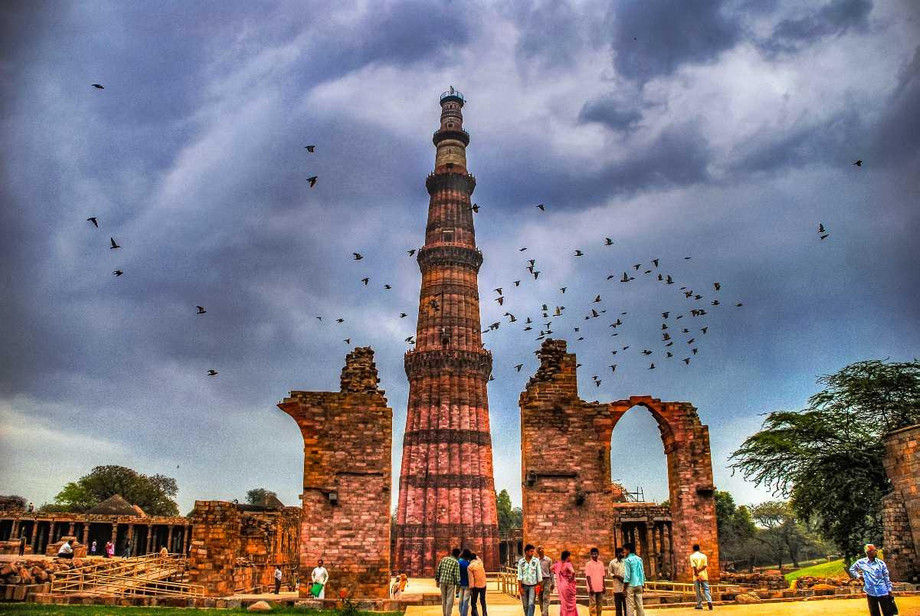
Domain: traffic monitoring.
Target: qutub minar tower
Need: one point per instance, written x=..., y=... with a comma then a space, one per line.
x=446, y=487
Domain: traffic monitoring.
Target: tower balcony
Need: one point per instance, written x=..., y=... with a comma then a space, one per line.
x=453, y=94
x=463, y=182
x=451, y=133
x=435, y=363
x=431, y=256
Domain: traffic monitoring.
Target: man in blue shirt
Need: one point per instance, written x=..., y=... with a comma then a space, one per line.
x=633, y=581
x=464, y=582
x=873, y=573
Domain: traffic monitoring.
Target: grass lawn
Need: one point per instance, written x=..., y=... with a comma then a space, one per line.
x=832, y=569
x=107, y=610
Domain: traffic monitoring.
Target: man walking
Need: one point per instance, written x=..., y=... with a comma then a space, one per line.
x=873, y=572
x=633, y=581
x=529, y=575
x=127, y=550
x=447, y=577
x=594, y=577
x=464, y=561
x=699, y=563
x=615, y=571
x=320, y=576
x=477, y=575
x=278, y=575
x=546, y=588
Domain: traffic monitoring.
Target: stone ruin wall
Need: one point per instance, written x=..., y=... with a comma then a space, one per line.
x=234, y=550
x=901, y=508
x=347, y=480
x=568, y=498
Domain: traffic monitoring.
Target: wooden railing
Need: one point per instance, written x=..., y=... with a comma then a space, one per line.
x=507, y=583
x=141, y=576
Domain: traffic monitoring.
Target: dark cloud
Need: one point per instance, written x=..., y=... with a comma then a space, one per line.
x=614, y=114
x=652, y=39
x=551, y=35
x=832, y=19
x=894, y=138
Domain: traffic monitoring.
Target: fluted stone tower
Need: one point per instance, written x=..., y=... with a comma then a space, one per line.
x=446, y=487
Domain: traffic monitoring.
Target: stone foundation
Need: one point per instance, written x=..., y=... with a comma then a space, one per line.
x=346, y=481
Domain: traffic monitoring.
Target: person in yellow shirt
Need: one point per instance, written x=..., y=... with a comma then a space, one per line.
x=699, y=563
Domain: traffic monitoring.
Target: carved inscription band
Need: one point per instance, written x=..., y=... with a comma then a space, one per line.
x=424, y=531
x=447, y=481
x=446, y=435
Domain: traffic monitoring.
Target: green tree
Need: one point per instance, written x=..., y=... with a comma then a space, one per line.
x=827, y=458
x=780, y=531
x=154, y=494
x=258, y=496
x=735, y=526
x=508, y=517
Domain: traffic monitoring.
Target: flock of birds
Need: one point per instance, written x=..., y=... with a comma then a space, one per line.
x=672, y=330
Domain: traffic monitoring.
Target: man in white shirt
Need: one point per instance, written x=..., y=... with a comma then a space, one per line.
x=699, y=563
x=320, y=576
x=278, y=575
x=65, y=551
x=615, y=570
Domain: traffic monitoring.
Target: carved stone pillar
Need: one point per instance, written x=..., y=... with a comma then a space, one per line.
x=169, y=545
x=149, y=538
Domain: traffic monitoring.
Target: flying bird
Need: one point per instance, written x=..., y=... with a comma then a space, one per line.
x=655, y=261
x=201, y=310
x=563, y=289
x=687, y=360
x=114, y=245
x=312, y=180
x=608, y=241
x=652, y=367
x=319, y=318
x=409, y=339
x=410, y=252
x=518, y=367
x=522, y=249
x=99, y=86
x=403, y=315
x=500, y=300
x=309, y=148
x=542, y=207
x=340, y=320
x=579, y=253
x=358, y=256
x=117, y=273
x=717, y=285
x=475, y=208
x=387, y=287
x=347, y=341
x=498, y=290
x=92, y=219
x=517, y=283
x=597, y=298
x=212, y=372
x=365, y=281
x=858, y=163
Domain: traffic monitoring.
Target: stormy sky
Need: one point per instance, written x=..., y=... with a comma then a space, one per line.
x=721, y=131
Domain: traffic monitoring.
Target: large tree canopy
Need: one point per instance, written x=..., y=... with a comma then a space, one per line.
x=828, y=457
x=154, y=494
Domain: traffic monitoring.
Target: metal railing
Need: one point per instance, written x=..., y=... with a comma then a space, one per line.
x=138, y=577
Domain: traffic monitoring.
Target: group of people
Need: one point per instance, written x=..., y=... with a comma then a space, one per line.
x=463, y=575
x=538, y=576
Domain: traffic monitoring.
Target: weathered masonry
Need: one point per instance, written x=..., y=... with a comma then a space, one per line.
x=446, y=485
x=346, y=480
x=114, y=519
x=569, y=500
x=901, y=508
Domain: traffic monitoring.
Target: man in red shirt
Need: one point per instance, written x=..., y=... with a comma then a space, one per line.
x=594, y=575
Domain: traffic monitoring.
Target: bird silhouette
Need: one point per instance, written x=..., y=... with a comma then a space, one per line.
x=201, y=310
x=403, y=315
x=117, y=273
x=500, y=300
x=212, y=372
x=410, y=252
x=114, y=244
x=608, y=241
x=498, y=290
x=517, y=283
x=387, y=287
x=340, y=320
x=319, y=318
x=518, y=367
x=312, y=179
x=717, y=286
x=347, y=341
x=365, y=281
x=858, y=163
x=652, y=367
x=92, y=219
x=475, y=208
x=309, y=148
x=409, y=339
x=358, y=256
x=99, y=86
x=687, y=360
x=541, y=207
x=563, y=289
x=655, y=261
x=579, y=253
x=522, y=249
x=637, y=266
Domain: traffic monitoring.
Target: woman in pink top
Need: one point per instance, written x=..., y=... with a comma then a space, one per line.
x=565, y=585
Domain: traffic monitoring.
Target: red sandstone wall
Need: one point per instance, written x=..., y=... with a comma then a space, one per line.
x=901, y=508
x=569, y=501
x=346, y=485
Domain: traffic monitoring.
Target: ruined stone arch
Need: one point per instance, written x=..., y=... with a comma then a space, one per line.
x=569, y=499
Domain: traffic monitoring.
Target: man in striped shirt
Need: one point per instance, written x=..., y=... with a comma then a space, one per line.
x=447, y=576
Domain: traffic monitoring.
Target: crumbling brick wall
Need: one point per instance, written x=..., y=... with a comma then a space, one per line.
x=569, y=500
x=236, y=547
x=901, y=508
x=346, y=482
